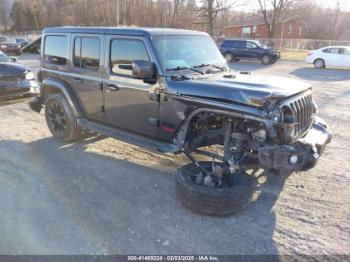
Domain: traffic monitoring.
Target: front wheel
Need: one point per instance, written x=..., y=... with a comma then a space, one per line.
x=265, y=59
x=228, y=57
x=60, y=118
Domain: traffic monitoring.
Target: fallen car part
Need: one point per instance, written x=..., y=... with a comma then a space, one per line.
x=211, y=200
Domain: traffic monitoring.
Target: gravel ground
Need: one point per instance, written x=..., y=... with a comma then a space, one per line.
x=102, y=196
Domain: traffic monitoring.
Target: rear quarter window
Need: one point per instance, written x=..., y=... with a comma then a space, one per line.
x=226, y=44
x=55, y=50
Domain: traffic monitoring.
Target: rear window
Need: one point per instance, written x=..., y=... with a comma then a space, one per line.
x=240, y=44
x=87, y=53
x=331, y=50
x=226, y=44
x=55, y=50
x=233, y=44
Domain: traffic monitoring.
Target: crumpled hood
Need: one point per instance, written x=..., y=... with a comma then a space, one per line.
x=251, y=89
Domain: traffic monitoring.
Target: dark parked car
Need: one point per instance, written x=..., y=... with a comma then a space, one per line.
x=16, y=80
x=8, y=46
x=234, y=50
x=22, y=42
x=172, y=90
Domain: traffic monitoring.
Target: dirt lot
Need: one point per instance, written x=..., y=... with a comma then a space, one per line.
x=101, y=196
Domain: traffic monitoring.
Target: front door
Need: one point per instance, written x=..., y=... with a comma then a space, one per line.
x=344, y=58
x=129, y=103
x=86, y=74
x=251, y=50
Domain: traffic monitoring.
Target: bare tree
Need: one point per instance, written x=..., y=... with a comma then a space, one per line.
x=4, y=15
x=210, y=10
x=272, y=11
x=177, y=6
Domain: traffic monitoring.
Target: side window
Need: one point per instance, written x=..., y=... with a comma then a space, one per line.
x=226, y=44
x=347, y=51
x=124, y=52
x=87, y=53
x=240, y=44
x=250, y=45
x=326, y=50
x=55, y=50
x=334, y=50
x=233, y=44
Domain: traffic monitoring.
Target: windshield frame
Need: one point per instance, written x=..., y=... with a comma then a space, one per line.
x=165, y=71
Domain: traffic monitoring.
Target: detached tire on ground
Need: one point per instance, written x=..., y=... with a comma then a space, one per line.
x=213, y=201
x=60, y=118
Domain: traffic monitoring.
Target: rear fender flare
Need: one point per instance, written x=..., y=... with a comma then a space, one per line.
x=51, y=86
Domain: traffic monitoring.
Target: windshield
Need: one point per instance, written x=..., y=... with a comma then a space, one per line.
x=4, y=58
x=187, y=51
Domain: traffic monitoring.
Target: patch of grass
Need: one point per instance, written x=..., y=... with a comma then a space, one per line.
x=291, y=54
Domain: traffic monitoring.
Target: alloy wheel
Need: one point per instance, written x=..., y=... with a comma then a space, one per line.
x=57, y=118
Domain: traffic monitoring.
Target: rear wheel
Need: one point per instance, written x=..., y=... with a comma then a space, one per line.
x=60, y=118
x=319, y=63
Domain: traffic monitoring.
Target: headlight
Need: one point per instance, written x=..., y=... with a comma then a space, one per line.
x=276, y=116
x=29, y=75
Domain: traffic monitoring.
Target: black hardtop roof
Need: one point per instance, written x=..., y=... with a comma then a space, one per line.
x=137, y=31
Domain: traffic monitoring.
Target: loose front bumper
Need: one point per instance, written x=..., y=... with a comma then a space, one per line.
x=300, y=156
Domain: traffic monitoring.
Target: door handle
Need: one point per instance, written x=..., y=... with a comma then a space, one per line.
x=79, y=80
x=112, y=87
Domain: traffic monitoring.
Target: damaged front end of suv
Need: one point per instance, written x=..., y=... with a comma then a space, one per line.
x=271, y=121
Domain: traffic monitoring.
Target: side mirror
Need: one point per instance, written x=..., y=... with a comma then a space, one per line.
x=14, y=60
x=142, y=69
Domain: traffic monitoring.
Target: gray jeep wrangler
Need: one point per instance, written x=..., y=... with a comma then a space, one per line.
x=172, y=90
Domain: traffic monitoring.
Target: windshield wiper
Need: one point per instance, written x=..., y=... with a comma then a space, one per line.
x=178, y=68
x=205, y=65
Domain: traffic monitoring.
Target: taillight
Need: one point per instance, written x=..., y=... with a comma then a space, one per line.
x=309, y=54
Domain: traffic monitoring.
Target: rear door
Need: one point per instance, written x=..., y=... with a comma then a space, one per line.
x=332, y=56
x=239, y=49
x=86, y=73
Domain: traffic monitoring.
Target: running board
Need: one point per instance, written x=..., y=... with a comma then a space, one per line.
x=130, y=138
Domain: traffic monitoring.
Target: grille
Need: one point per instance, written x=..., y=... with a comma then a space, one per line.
x=302, y=111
